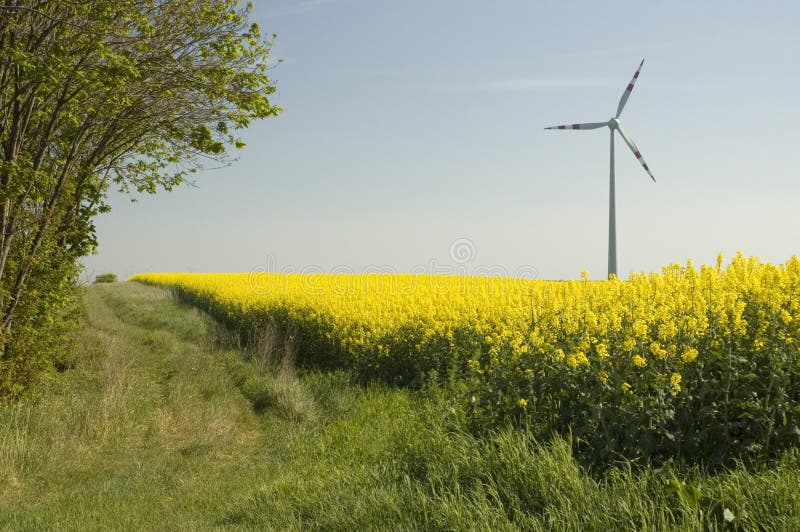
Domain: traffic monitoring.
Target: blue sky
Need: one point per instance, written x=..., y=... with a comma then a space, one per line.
x=412, y=125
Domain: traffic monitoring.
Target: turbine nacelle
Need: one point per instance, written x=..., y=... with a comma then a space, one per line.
x=613, y=123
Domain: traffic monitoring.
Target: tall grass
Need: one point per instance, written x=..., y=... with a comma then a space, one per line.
x=160, y=426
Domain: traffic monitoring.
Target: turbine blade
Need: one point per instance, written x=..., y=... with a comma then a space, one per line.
x=628, y=90
x=589, y=125
x=636, y=152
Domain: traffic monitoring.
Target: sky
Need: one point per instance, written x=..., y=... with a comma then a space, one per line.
x=412, y=140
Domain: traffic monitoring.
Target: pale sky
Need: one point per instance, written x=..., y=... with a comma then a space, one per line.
x=410, y=126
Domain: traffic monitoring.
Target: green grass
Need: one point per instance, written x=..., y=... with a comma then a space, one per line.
x=157, y=426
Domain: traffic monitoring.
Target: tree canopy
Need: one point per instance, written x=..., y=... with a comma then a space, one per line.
x=132, y=94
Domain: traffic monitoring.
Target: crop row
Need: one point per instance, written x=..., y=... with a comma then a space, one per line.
x=700, y=364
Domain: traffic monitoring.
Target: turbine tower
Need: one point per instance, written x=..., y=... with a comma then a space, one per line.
x=614, y=126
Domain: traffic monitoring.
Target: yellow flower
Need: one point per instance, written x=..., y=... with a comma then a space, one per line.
x=602, y=351
x=640, y=328
x=577, y=359
x=628, y=344
x=658, y=351
x=689, y=354
x=522, y=403
x=675, y=383
x=378, y=322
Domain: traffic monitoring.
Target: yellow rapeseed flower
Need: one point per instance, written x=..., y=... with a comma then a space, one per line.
x=640, y=328
x=657, y=351
x=602, y=351
x=577, y=359
x=628, y=344
x=675, y=383
x=380, y=322
x=689, y=354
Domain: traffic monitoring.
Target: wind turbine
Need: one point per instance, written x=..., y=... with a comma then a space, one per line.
x=613, y=125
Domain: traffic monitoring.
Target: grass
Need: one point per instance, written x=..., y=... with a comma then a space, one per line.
x=159, y=426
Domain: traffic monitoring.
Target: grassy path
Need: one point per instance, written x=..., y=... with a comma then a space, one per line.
x=146, y=431
x=156, y=427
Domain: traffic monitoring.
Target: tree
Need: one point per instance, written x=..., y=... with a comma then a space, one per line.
x=134, y=94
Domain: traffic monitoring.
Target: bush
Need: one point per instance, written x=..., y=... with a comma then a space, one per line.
x=106, y=278
x=43, y=330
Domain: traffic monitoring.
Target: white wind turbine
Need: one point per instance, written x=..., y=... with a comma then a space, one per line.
x=613, y=125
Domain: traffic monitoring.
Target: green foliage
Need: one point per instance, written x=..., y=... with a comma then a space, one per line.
x=150, y=430
x=93, y=95
x=44, y=331
x=106, y=278
x=721, y=381
x=738, y=397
